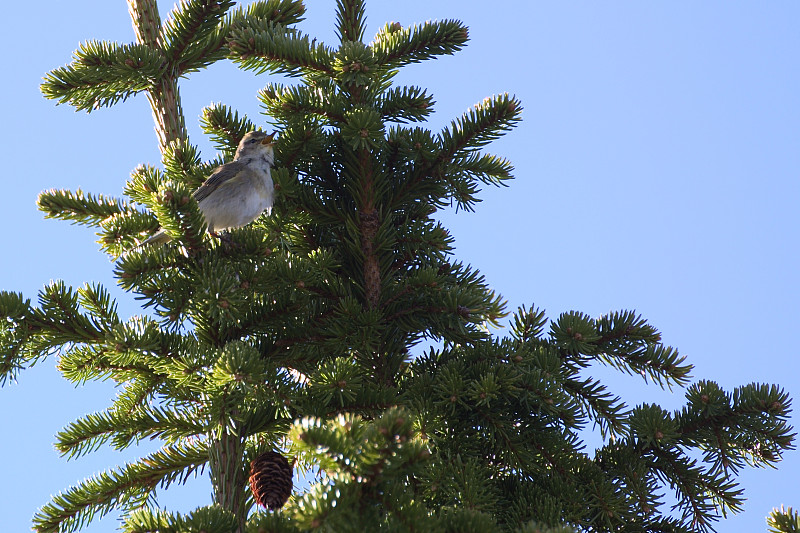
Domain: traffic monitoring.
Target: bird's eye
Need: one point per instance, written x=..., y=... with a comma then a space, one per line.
x=252, y=141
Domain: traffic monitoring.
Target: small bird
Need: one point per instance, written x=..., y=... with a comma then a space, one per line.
x=236, y=193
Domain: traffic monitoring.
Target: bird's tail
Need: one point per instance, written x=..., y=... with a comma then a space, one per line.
x=158, y=238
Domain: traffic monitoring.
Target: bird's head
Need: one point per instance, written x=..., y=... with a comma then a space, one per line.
x=255, y=145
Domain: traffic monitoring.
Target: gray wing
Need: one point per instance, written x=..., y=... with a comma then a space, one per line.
x=220, y=176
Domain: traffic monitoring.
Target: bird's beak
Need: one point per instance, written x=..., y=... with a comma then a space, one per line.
x=268, y=138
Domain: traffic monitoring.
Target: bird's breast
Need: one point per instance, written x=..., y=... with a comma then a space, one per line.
x=238, y=202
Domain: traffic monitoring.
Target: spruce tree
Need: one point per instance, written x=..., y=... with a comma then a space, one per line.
x=287, y=344
x=784, y=521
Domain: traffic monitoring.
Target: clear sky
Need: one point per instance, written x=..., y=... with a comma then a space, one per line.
x=657, y=169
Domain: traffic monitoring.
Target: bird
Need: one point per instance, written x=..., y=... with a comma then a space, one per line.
x=236, y=193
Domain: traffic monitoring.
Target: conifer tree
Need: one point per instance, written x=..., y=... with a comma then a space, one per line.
x=784, y=521
x=288, y=343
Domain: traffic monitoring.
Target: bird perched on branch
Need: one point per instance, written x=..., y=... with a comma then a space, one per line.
x=236, y=193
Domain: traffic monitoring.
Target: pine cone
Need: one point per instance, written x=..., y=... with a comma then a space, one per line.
x=271, y=480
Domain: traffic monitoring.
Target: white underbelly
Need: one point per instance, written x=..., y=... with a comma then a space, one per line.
x=233, y=214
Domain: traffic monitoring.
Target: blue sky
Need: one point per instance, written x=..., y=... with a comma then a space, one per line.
x=657, y=169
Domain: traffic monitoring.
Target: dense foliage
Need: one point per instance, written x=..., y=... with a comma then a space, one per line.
x=295, y=333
